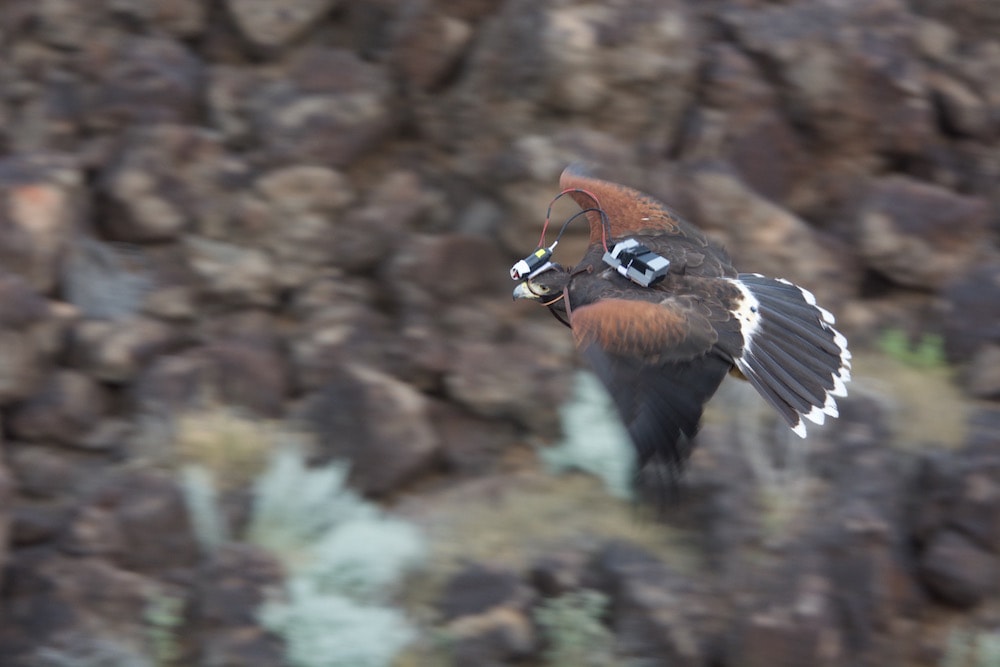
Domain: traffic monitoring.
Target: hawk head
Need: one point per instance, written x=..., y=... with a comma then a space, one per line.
x=548, y=288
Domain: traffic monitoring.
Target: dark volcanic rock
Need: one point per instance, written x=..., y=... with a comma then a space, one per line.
x=921, y=235
x=240, y=374
x=140, y=521
x=167, y=179
x=232, y=586
x=41, y=202
x=958, y=571
x=116, y=351
x=377, y=423
x=146, y=80
x=478, y=589
x=972, y=312
x=956, y=522
x=656, y=613
x=67, y=406
x=847, y=69
x=329, y=108
x=268, y=25
x=483, y=608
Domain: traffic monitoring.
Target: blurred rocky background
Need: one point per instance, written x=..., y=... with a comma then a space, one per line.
x=227, y=225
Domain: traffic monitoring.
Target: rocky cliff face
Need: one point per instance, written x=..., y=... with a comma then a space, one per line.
x=305, y=211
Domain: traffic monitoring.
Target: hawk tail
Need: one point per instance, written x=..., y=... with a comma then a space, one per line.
x=791, y=353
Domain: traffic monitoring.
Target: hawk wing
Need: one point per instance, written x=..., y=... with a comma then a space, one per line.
x=660, y=364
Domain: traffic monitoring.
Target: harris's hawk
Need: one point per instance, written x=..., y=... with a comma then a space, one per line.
x=662, y=316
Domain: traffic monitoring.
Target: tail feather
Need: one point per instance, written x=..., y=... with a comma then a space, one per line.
x=791, y=353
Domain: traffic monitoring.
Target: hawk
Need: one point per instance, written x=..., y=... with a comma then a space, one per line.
x=661, y=315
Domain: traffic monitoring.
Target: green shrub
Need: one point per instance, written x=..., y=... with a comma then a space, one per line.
x=573, y=630
x=343, y=556
x=594, y=439
x=928, y=352
x=341, y=553
x=972, y=649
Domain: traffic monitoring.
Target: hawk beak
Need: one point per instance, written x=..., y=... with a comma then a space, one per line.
x=522, y=291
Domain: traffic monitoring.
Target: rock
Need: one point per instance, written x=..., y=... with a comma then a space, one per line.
x=167, y=179
x=766, y=238
x=920, y=235
x=958, y=571
x=491, y=639
x=371, y=235
x=76, y=607
x=230, y=374
x=982, y=378
x=470, y=444
x=232, y=585
x=954, y=518
x=847, y=70
x=268, y=26
x=66, y=407
x=32, y=524
x=428, y=48
x=559, y=573
x=7, y=491
x=336, y=326
x=742, y=125
x=234, y=274
x=962, y=111
x=41, y=201
x=21, y=365
x=300, y=208
x=20, y=305
x=477, y=589
x=116, y=351
x=67, y=24
x=43, y=472
x=329, y=108
x=800, y=635
x=104, y=280
x=656, y=613
x=180, y=18
x=377, y=423
x=145, y=80
x=140, y=521
x=971, y=312
x=508, y=381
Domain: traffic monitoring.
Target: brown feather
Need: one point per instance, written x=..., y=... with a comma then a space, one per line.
x=654, y=332
x=629, y=211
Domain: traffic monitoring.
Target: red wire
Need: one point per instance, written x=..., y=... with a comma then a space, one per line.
x=548, y=214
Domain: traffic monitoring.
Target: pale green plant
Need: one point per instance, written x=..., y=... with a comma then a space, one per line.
x=343, y=556
x=968, y=648
x=594, y=439
x=164, y=615
x=574, y=632
x=201, y=498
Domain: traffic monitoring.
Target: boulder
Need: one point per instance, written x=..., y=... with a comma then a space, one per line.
x=227, y=373
x=139, y=520
x=232, y=585
x=270, y=26
x=375, y=422
x=117, y=351
x=166, y=179
x=329, y=107
x=144, y=80
x=921, y=235
x=66, y=407
x=41, y=203
x=847, y=71
x=971, y=312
